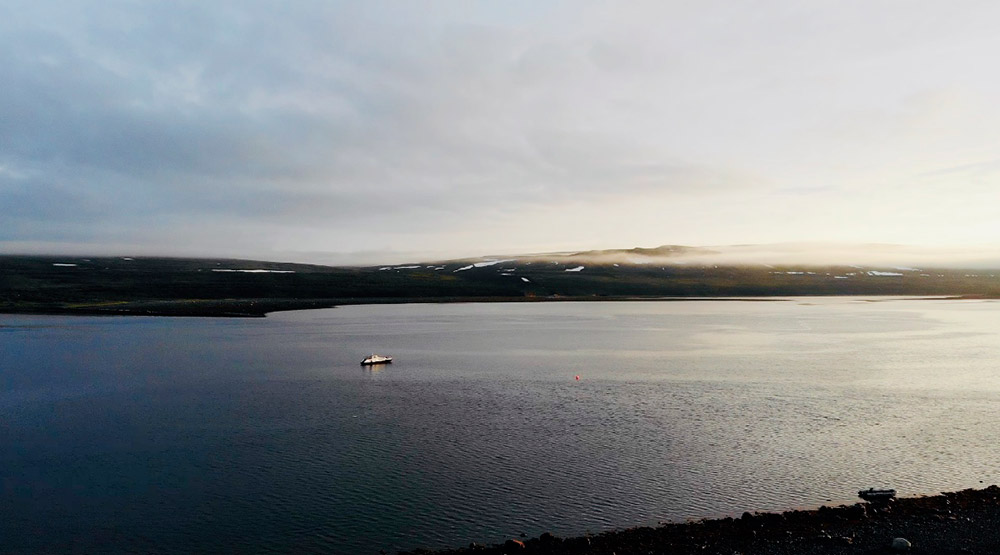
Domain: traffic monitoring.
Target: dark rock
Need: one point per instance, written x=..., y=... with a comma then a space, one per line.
x=573, y=544
x=827, y=539
x=513, y=545
x=857, y=511
x=963, y=522
x=769, y=519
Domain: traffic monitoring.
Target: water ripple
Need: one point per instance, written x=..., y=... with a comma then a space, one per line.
x=245, y=437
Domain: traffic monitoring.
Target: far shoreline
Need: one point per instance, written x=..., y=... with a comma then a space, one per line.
x=261, y=307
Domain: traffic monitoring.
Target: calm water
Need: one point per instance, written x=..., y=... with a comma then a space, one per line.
x=216, y=435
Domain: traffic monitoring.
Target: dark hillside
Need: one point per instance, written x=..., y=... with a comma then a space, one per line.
x=116, y=285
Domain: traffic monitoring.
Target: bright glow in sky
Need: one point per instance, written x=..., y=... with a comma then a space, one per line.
x=391, y=131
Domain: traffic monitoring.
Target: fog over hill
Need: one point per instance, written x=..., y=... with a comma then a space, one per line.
x=785, y=254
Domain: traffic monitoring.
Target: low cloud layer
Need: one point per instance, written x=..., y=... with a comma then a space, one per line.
x=321, y=129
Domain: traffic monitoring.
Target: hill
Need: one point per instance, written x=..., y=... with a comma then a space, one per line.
x=229, y=287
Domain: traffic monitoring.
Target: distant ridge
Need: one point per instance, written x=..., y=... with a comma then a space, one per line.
x=228, y=287
x=654, y=252
x=640, y=255
x=662, y=250
x=875, y=255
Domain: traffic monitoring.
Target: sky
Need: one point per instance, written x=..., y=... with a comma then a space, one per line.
x=369, y=131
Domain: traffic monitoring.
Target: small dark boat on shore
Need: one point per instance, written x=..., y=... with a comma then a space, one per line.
x=873, y=495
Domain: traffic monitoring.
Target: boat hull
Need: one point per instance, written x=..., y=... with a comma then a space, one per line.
x=374, y=360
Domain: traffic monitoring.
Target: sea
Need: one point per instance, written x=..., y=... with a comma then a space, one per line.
x=218, y=435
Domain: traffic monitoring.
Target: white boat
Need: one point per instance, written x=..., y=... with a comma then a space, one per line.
x=376, y=359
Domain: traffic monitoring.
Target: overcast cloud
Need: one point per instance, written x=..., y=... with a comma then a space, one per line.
x=362, y=131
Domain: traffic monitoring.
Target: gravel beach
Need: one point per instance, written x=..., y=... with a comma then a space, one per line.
x=961, y=522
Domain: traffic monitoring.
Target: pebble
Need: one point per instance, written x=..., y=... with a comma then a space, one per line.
x=901, y=544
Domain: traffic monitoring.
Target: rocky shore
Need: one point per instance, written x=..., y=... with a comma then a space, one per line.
x=961, y=522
